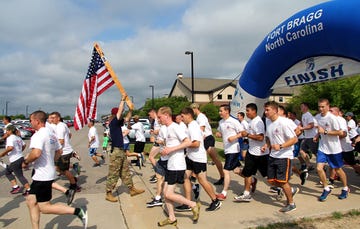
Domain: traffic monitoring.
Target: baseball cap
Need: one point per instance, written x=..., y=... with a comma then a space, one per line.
x=349, y=114
x=115, y=110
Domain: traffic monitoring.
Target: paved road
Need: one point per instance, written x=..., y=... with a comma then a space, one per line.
x=131, y=212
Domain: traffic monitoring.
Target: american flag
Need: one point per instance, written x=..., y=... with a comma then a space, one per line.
x=97, y=80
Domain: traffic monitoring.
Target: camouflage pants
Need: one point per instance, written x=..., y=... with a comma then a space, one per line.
x=118, y=168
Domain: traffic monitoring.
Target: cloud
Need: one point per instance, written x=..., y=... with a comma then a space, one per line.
x=46, y=45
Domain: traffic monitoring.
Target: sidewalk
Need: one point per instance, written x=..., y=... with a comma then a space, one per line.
x=131, y=212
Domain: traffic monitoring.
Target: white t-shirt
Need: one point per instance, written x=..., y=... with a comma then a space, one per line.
x=17, y=143
x=162, y=137
x=125, y=137
x=245, y=124
x=230, y=127
x=256, y=126
x=174, y=137
x=352, y=125
x=329, y=144
x=306, y=119
x=195, y=134
x=345, y=142
x=93, y=133
x=278, y=132
x=202, y=120
x=63, y=132
x=139, y=132
x=45, y=140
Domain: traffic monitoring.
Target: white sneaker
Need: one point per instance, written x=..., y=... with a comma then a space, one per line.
x=243, y=198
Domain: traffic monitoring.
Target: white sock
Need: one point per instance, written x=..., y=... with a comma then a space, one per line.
x=157, y=197
x=346, y=188
x=15, y=186
x=327, y=188
x=224, y=192
x=246, y=193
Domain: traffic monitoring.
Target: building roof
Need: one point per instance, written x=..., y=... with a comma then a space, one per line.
x=203, y=85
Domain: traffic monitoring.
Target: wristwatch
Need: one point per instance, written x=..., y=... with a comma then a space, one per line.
x=325, y=132
x=281, y=146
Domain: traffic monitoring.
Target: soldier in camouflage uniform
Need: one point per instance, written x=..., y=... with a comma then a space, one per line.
x=118, y=165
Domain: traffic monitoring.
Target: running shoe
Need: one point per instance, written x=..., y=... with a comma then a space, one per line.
x=153, y=179
x=154, y=203
x=294, y=190
x=83, y=216
x=288, y=208
x=15, y=190
x=303, y=176
x=221, y=196
x=70, y=196
x=280, y=194
x=196, y=191
x=220, y=181
x=243, y=198
x=324, y=195
x=183, y=208
x=215, y=205
x=344, y=194
x=26, y=193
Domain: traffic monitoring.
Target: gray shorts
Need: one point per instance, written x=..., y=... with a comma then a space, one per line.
x=161, y=167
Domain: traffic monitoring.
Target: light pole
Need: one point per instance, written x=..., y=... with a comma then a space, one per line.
x=6, y=107
x=152, y=96
x=26, y=111
x=192, y=74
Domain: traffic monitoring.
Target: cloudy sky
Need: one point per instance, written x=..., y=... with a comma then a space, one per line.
x=46, y=45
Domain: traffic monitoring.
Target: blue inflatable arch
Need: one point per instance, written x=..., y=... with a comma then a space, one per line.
x=317, y=44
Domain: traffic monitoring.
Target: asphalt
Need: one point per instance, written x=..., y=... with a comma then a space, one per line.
x=131, y=212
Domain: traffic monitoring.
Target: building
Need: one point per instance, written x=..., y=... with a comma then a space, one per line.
x=220, y=91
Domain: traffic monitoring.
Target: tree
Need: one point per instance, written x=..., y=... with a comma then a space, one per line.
x=344, y=93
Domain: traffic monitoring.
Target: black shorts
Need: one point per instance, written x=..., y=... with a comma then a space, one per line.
x=174, y=177
x=139, y=147
x=196, y=167
x=279, y=170
x=254, y=163
x=42, y=190
x=209, y=141
x=349, y=157
x=63, y=163
x=161, y=167
x=308, y=145
x=231, y=161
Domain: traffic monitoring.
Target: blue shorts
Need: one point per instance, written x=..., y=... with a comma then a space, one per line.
x=335, y=161
x=231, y=161
x=126, y=146
x=92, y=152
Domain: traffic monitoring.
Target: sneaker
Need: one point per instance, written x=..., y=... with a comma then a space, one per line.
x=183, y=208
x=78, y=188
x=154, y=203
x=143, y=159
x=215, y=205
x=303, y=176
x=196, y=212
x=26, y=193
x=288, y=208
x=102, y=157
x=76, y=155
x=280, y=194
x=76, y=168
x=221, y=196
x=196, y=191
x=83, y=216
x=153, y=179
x=324, y=195
x=273, y=189
x=294, y=190
x=15, y=190
x=167, y=222
x=253, y=185
x=220, y=181
x=139, y=162
x=344, y=194
x=311, y=168
x=96, y=165
x=70, y=196
x=243, y=198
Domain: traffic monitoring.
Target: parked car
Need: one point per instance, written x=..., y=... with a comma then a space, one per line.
x=24, y=134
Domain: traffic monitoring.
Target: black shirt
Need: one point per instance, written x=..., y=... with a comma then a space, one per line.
x=116, y=132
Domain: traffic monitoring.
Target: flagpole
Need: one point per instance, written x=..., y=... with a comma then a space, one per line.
x=113, y=75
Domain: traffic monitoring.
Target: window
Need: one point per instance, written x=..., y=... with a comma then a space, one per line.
x=281, y=99
x=229, y=97
x=219, y=97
